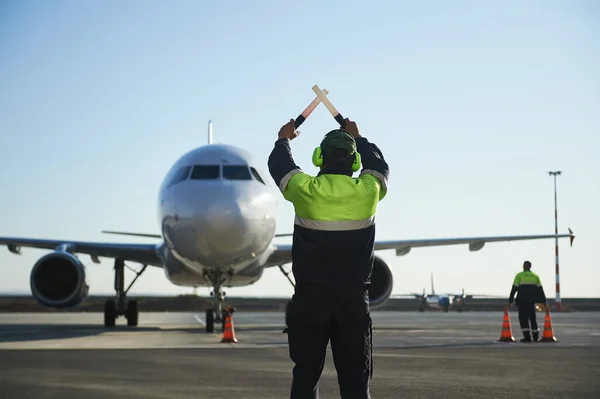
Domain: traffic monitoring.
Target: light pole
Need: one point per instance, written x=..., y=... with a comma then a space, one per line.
x=558, y=301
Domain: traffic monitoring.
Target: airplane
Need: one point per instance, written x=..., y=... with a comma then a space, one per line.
x=442, y=301
x=216, y=209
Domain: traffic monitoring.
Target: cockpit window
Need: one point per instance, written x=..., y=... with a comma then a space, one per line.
x=180, y=175
x=236, y=172
x=205, y=172
x=256, y=175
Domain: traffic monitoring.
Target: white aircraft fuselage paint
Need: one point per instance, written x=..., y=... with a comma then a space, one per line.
x=216, y=231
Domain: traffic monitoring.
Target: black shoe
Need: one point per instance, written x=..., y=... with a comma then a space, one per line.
x=527, y=339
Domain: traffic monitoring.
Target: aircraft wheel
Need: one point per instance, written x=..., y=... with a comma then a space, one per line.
x=210, y=321
x=421, y=309
x=131, y=314
x=110, y=313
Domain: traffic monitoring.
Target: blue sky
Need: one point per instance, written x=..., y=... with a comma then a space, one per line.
x=471, y=102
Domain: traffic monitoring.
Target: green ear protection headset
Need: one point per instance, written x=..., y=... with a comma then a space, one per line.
x=340, y=139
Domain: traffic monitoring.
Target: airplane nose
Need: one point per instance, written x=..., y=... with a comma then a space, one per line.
x=224, y=221
x=220, y=223
x=224, y=227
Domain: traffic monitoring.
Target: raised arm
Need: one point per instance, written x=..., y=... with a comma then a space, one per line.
x=281, y=162
x=372, y=161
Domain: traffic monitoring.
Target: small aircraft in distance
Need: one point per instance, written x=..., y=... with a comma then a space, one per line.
x=442, y=301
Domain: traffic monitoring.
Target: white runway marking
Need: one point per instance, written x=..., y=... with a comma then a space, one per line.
x=199, y=320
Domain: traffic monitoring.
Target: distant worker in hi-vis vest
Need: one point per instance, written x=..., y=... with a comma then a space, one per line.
x=332, y=256
x=530, y=292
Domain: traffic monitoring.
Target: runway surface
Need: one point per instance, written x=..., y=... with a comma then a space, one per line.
x=417, y=355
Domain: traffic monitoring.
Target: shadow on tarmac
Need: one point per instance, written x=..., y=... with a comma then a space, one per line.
x=39, y=332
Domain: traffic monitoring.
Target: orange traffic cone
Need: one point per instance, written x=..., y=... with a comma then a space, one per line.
x=506, y=335
x=229, y=332
x=548, y=335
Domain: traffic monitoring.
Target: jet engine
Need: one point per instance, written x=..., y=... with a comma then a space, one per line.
x=58, y=281
x=382, y=283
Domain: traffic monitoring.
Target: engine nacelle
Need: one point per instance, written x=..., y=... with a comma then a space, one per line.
x=58, y=281
x=382, y=283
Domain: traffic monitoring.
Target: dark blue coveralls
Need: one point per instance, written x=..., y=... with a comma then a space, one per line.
x=332, y=260
x=530, y=291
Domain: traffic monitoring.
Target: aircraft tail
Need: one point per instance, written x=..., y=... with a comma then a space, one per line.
x=210, y=132
x=432, y=289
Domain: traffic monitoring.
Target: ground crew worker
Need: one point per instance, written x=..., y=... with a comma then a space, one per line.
x=332, y=256
x=530, y=292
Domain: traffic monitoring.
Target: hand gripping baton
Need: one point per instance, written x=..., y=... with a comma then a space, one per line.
x=334, y=112
x=311, y=107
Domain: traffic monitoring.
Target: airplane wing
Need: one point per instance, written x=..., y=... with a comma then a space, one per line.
x=127, y=233
x=282, y=254
x=475, y=243
x=141, y=253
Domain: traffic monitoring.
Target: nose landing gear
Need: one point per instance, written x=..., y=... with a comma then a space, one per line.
x=217, y=313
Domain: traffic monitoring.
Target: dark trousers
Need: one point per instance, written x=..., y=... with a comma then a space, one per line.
x=315, y=318
x=527, y=315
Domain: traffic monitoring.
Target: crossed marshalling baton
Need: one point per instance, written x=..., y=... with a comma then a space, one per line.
x=334, y=112
x=321, y=97
x=311, y=107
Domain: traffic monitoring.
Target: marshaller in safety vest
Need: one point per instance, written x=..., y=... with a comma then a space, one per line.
x=332, y=256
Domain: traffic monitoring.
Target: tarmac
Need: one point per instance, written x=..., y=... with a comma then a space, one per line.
x=169, y=355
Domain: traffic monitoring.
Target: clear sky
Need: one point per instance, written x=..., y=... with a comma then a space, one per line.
x=472, y=103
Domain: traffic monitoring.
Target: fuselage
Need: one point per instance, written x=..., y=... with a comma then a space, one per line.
x=217, y=211
x=438, y=301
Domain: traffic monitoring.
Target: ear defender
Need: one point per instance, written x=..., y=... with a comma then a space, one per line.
x=356, y=163
x=317, y=159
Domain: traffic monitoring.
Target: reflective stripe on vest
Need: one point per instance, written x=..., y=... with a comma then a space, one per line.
x=527, y=278
x=284, y=181
x=333, y=202
x=334, y=225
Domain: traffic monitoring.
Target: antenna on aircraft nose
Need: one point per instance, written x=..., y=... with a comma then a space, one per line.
x=210, y=132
